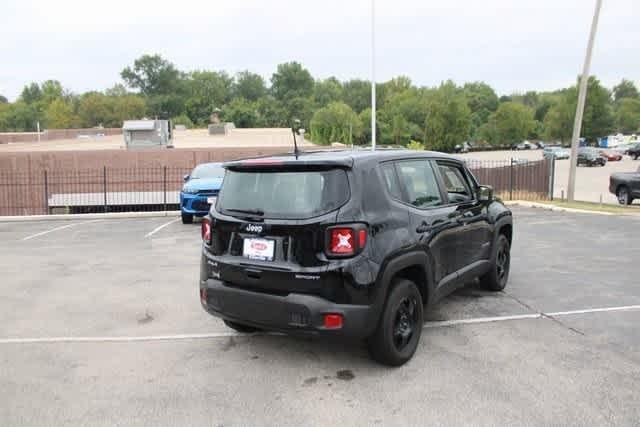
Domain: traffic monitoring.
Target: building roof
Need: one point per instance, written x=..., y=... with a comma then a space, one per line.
x=139, y=125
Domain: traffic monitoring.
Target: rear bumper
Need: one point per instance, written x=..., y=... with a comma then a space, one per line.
x=297, y=314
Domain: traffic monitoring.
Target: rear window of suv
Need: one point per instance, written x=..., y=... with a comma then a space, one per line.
x=284, y=194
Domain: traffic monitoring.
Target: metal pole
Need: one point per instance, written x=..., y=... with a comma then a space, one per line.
x=46, y=191
x=582, y=94
x=553, y=177
x=104, y=186
x=164, y=184
x=38, y=126
x=511, y=180
x=373, y=74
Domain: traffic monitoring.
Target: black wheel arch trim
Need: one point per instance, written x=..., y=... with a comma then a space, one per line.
x=398, y=263
x=500, y=223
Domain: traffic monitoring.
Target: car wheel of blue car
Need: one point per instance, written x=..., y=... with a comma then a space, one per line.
x=187, y=218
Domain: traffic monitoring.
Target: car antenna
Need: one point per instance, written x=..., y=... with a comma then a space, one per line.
x=295, y=129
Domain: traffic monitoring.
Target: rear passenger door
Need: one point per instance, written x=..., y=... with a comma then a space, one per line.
x=431, y=226
x=474, y=233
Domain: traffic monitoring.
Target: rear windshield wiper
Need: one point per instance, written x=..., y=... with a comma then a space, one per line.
x=247, y=211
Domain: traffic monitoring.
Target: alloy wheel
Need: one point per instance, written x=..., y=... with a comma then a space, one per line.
x=502, y=263
x=405, y=323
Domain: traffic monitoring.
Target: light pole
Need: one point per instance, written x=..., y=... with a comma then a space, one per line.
x=582, y=95
x=373, y=74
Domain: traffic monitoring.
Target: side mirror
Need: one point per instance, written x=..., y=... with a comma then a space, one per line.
x=485, y=193
x=186, y=177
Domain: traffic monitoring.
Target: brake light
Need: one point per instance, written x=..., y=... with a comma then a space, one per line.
x=362, y=238
x=342, y=241
x=346, y=241
x=205, y=230
x=262, y=162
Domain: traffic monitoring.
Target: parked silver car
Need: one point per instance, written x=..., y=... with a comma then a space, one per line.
x=557, y=153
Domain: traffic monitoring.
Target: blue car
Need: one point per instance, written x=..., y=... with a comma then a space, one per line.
x=200, y=189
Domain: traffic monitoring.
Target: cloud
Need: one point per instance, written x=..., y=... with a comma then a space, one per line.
x=512, y=45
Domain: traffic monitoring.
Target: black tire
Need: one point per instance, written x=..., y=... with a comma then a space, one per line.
x=398, y=333
x=623, y=195
x=187, y=218
x=245, y=329
x=498, y=275
x=635, y=156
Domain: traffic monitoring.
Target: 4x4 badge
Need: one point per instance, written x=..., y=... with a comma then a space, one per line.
x=252, y=228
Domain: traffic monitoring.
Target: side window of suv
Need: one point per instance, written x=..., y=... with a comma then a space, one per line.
x=457, y=186
x=419, y=181
x=391, y=180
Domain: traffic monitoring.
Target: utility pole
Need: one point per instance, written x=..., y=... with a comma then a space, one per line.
x=373, y=74
x=582, y=95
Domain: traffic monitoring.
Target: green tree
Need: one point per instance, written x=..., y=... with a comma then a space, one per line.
x=206, y=91
x=448, y=118
x=243, y=113
x=183, y=120
x=364, y=136
x=598, y=120
x=513, y=122
x=290, y=81
x=628, y=115
x=31, y=93
x=271, y=113
x=127, y=107
x=402, y=116
x=558, y=122
x=482, y=101
x=51, y=90
x=95, y=109
x=60, y=115
x=152, y=75
x=625, y=89
x=3, y=100
x=301, y=108
x=327, y=91
x=117, y=89
x=249, y=86
x=357, y=94
x=336, y=122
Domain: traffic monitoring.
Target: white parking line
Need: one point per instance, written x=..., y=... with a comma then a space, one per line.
x=441, y=323
x=42, y=233
x=155, y=230
x=177, y=337
x=594, y=310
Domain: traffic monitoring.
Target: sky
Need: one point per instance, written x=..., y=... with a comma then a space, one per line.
x=514, y=45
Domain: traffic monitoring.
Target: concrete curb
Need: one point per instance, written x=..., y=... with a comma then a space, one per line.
x=113, y=215
x=558, y=208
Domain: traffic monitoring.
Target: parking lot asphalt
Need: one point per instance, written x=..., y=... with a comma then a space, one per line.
x=100, y=324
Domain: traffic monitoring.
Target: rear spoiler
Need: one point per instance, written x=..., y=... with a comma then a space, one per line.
x=285, y=163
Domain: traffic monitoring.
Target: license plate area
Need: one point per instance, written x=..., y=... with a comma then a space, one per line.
x=258, y=249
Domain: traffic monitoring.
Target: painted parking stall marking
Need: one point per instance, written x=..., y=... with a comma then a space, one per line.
x=155, y=230
x=179, y=337
x=75, y=224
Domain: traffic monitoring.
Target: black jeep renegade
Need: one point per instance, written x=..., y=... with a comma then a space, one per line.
x=350, y=243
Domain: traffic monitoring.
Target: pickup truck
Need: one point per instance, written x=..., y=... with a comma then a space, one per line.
x=626, y=186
